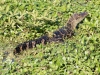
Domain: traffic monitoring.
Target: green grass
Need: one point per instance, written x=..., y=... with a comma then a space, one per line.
x=22, y=20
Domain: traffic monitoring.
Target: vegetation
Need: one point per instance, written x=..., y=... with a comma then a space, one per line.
x=22, y=20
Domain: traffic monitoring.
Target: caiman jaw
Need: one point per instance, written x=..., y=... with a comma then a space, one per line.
x=75, y=19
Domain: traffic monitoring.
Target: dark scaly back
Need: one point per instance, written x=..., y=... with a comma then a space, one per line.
x=58, y=35
x=68, y=30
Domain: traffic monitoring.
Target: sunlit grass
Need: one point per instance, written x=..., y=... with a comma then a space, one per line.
x=22, y=20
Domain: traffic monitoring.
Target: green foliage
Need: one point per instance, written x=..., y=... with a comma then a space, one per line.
x=22, y=20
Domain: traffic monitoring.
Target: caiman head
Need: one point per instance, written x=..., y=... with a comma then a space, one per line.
x=75, y=19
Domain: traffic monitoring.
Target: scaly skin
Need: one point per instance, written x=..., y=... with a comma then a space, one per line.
x=58, y=35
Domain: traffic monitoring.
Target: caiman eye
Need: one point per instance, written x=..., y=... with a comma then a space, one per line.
x=78, y=17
